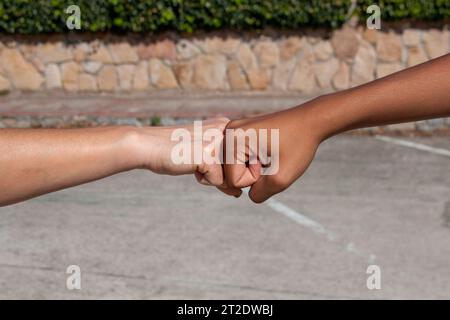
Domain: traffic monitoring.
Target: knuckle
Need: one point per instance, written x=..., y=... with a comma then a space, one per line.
x=223, y=119
x=231, y=182
x=234, y=124
x=231, y=124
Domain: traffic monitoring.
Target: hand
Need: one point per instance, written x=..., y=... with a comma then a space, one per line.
x=298, y=142
x=154, y=147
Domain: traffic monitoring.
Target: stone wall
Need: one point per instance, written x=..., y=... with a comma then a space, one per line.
x=305, y=63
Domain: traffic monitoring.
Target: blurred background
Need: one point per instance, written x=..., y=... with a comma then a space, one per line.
x=378, y=196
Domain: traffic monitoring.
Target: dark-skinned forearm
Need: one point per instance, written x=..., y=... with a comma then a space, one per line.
x=418, y=93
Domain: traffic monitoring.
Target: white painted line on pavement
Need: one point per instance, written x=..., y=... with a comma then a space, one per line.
x=414, y=145
x=298, y=217
x=307, y=222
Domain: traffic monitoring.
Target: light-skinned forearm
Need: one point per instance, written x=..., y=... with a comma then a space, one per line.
x=38, y=161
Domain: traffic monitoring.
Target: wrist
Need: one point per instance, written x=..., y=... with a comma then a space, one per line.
x=130, y=147
x=328, y=115
x=148, y=148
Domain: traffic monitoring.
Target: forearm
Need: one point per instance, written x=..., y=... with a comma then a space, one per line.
x=38, y=161
x=418, y=93
x=414, y=94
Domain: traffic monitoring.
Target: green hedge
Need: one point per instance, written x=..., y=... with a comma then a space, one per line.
x=419, y=10
x=47, y=16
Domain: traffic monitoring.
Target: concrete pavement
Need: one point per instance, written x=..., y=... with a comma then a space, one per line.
x=139, y=235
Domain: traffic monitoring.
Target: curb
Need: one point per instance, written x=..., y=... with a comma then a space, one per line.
x=166, y=108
